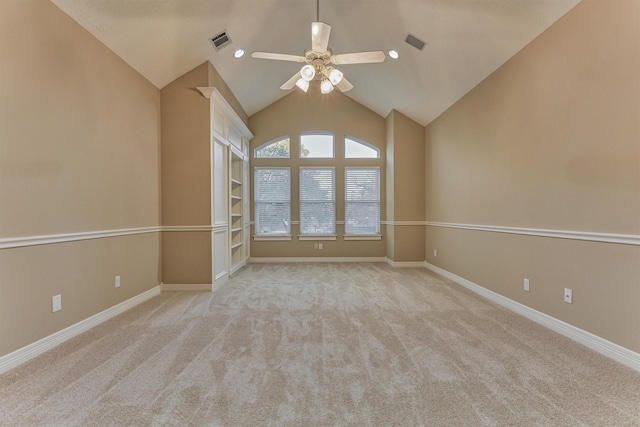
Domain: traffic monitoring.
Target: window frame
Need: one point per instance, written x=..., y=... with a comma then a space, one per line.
x=333, y=145
x=256, y=204
x=271, y=142
x=363, y=236
x=316, y=236
x=361, y=142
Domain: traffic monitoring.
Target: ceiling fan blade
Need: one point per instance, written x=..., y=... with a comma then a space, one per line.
x=278, y=56
x=358, y=58
x=344, y=85
x=289, y=84
x=320, y=36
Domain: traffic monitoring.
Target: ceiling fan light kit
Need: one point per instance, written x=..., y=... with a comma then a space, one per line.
x=308, y=72
x=318, y=58
x=335, y=76
x=303, y=84
x=325, y=86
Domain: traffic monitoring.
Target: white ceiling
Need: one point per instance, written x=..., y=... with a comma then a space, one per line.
x=466, y=41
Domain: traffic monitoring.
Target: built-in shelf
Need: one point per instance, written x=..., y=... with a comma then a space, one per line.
x=229, y=137
x=238, y=165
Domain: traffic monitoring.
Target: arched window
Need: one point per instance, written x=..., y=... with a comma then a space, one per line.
x=276, y=149
x=354, y=149
x=316, y=145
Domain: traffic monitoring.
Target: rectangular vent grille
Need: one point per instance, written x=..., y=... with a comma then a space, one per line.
x=220, y=40
x=415, y=42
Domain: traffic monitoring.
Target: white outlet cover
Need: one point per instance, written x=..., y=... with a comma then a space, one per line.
x=117, y=281
x=56, y=303
x=568, y=295
x=526, y=285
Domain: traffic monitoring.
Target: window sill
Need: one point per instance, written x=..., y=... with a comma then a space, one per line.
x=271, y=237
x=317, y=237
x=362, y=237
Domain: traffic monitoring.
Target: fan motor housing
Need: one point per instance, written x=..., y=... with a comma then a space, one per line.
x=316, y=59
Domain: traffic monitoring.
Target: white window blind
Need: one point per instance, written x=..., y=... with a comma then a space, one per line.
x=362, y=201
x=272, y=201
x=317, y=201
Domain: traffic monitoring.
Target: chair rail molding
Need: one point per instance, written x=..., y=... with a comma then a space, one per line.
x=624, y=239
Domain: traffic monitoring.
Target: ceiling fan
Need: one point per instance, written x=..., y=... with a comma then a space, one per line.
x=318, y=59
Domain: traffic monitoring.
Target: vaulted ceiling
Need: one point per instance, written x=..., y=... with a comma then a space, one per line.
x=466, y=41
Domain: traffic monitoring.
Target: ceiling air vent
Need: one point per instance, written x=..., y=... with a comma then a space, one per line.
x=415, y=42
x=220, y=40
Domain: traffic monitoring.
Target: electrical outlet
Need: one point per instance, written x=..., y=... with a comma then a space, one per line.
x=319, y=245
x=526, y=285
x=56, y=303
x=435, y=252
x=117, y=281
x=568, y=295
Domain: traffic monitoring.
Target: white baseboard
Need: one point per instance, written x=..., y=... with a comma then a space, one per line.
x=264, y=260
x=192, y=287
x=30, y=351
x=404, y=264
x=594, y=342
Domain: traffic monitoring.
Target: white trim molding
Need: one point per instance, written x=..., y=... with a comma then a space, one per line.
x=625, y=239
x=271, y=238
x=289, y=260
x=184, y=228
x=607, y=348
x=402, y=223
x=30, y=351
x=404, y=264
x=189, y=287
x=18, y=242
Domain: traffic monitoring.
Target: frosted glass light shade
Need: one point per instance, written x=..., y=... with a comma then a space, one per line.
x=325, y=86
x=335, y=76
x=308, y=72
x=303, y=84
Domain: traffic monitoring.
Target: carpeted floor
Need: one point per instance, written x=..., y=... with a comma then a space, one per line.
x=325, y=345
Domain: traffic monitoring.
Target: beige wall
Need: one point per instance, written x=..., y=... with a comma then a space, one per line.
x=405, y=188
x=186, y=174
x=79, y=151
x=549, y=141
x=186, y=177
x=303, y=112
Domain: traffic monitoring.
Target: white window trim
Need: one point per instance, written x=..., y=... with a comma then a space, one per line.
x=355, y=236
x=271, y=237
x=333, y=142
x=366, y=144
x=335, y=204
x=273, y=141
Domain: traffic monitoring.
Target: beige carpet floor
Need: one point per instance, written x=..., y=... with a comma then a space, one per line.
x=321, y=345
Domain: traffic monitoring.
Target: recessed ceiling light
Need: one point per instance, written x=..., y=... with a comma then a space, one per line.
x=394, y=54
x=239, y=53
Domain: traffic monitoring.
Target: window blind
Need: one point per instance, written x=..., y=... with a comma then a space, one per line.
x=317, y=201
x=272, y=200
x=362, y=201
